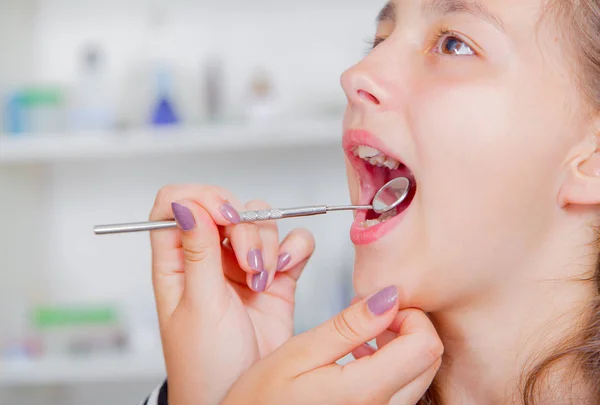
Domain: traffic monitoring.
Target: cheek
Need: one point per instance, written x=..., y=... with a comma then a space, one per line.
x=487, y=167
x=462, y=127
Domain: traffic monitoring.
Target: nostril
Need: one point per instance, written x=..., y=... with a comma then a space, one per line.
x=368, y=97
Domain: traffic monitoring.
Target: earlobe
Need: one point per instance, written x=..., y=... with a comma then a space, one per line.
x=581, y=185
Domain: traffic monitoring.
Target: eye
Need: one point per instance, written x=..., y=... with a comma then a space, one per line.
x=372, y=43
x=450, y=44
x=377, y=41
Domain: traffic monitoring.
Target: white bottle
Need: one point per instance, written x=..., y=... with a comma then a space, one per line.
x=92, y=108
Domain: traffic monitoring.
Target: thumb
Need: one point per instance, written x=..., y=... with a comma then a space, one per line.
x=200, y=242
x=345, y=332
x=403, y=368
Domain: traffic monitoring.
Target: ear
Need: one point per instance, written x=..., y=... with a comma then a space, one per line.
x=581, y=184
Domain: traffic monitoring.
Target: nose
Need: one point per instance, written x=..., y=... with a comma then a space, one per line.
x=362, y=88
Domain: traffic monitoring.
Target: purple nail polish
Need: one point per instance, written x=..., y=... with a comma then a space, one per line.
x=283, y=260
x=255, y=260
x=230, y=213
x=183, y=217
x=259, y=281
x=383, y=301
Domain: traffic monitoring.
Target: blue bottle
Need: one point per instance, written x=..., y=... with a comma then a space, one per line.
x=164, y=111
x=15, y=117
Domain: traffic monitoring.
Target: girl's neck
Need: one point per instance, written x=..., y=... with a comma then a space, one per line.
x=491, y=343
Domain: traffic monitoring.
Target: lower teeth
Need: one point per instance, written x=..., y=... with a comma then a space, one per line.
x=384, y=217
x=371, y=222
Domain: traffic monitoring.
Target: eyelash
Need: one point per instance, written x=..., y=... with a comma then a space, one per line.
x=372, y=43
x=442, y=33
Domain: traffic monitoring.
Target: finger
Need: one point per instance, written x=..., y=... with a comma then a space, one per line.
x=401, y=361
x=220, y=204
x=269, y=235
x=393, y=330
x=168, y=276
x=294, y=252
x=201, y=246
x=339, y=336
x=413, y=392
x=231, y=267
x=248, y=247
x=383, y=339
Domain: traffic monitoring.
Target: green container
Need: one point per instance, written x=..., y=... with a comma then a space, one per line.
x=79, y=329
x=52, y=317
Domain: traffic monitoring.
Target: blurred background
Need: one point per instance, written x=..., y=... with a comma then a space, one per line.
x=103, y=102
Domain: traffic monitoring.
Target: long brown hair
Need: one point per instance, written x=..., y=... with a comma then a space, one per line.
x=581, y=22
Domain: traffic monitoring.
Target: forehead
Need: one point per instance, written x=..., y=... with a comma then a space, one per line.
x=510, y=11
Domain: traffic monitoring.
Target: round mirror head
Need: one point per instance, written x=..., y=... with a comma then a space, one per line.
x=391, y=195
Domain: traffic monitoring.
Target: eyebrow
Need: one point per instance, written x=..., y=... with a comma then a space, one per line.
x=388, y=13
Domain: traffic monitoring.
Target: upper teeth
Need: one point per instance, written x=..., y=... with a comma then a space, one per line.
x=375, y=157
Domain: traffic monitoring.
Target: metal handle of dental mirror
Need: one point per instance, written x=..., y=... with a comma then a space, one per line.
x=386, y=199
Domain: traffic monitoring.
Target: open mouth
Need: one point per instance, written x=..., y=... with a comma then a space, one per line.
x=375, y=169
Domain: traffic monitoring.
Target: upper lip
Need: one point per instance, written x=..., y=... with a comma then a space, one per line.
x=360, y=137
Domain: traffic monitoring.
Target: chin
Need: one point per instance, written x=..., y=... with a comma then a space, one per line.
x=419, y=284
x=374, y=270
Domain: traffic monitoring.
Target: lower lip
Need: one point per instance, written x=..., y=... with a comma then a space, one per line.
x=364, y=236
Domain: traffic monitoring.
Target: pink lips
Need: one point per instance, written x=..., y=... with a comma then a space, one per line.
x=359, y=234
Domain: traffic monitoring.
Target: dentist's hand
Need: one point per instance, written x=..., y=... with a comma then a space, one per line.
x=221, y=306
x=303, y=371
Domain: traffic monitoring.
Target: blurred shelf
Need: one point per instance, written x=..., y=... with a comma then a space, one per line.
x=55, y=148
x=67, y=371
x=64, y=371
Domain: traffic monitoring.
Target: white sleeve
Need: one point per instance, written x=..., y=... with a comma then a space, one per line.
x=159, y=396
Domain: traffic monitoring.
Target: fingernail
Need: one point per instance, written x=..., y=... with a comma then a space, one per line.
x=255, y=260
x=183, y=217
x=283, y=260
x=383, y=301
x=259, y=281
x=230, y=213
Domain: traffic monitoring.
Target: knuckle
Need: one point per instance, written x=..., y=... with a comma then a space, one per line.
x=307, y=239
x=343, y=325
x=166, y=193
x=218, y=190
x=257, y=205
x=210, y=189
x=433, y=347
x=196, y=254
x=163, y=196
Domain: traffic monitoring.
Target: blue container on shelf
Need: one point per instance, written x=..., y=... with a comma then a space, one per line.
x=34, y=110
x=164, y=110
x=15, y=114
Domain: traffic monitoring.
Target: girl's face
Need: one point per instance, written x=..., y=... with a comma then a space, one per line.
x=475, y=99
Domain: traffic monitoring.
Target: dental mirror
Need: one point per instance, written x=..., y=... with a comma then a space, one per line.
x=389, y=197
